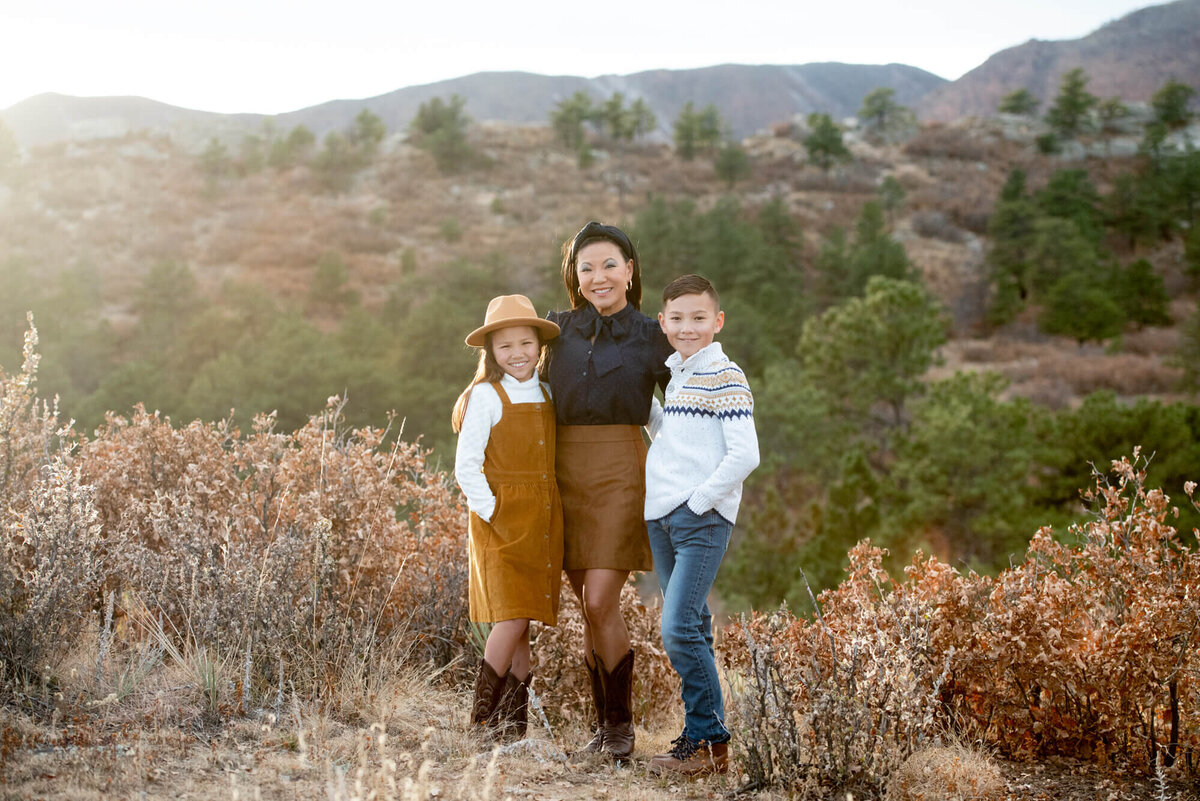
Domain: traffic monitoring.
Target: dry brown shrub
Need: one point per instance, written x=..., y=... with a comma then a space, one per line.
x=1050, y=392
x=938, y=140
x=1085, y=650
x=843, y=179
x=298, y=554
x=953, y=773
x=963, y=192
x=933, y=224
x=29, y=429
x=1124, y=373
x=1152, y=341
x=979, y=351
x=836, y=704
x=51, y=556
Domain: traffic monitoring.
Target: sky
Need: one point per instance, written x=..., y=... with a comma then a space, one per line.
x=270, y=57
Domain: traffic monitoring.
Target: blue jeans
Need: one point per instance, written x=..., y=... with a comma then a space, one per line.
x=687, y=552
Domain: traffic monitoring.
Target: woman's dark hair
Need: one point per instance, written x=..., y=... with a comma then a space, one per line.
x=599, y=232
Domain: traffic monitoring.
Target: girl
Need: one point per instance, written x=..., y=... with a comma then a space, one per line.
x=505, y=466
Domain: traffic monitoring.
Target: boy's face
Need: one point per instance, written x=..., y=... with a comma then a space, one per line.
x=690, y=323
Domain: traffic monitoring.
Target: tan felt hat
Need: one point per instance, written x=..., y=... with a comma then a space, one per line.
x=506, y=311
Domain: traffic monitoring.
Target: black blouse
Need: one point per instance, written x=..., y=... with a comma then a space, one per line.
x=608, y=380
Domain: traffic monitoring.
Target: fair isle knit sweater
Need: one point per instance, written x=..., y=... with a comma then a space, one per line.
x=704, y=444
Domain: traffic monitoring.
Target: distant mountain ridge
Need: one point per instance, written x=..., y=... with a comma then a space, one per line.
x=1130, y=58
x=749, y=97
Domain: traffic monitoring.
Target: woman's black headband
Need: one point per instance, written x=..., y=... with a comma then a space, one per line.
x=597, y=230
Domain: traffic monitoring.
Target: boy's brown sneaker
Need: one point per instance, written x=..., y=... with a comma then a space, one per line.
x=690, y=758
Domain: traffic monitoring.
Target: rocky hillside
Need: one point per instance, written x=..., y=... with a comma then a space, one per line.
x=119, y=207
x=1129, y=58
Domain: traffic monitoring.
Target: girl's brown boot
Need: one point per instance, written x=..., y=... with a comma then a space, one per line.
x=512, y=713
x=488, y=687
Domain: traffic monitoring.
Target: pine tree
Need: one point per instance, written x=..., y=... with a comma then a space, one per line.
x=1020, y=102
x=643, y=118
x=441, y=128
x=617, y=118
x=568, y=117
x=1010, y=266
x=1143, y=297
x=824, y=141
x=1069, y=114
x=1170, y=104
x=731, y=163
x=1079, y=307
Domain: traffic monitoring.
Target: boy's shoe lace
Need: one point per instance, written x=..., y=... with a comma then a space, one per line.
x=689, y=757
x=682, y=747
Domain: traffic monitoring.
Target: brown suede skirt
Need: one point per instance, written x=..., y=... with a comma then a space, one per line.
x=602, y=481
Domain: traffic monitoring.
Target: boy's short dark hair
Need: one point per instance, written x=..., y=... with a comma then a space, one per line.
x=691, y=284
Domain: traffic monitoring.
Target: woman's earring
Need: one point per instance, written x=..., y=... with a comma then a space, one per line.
x=630, y=284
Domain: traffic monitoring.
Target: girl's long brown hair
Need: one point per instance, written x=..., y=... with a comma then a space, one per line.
x=487, y=372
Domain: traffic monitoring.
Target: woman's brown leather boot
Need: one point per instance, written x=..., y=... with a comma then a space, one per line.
x=618, y=707
x=596, y=744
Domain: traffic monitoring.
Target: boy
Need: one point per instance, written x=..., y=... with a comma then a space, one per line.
x=703, y=448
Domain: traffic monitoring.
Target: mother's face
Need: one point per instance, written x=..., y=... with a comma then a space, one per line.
x=604, y=273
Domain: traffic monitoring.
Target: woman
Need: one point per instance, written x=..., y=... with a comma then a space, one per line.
x=602, y=370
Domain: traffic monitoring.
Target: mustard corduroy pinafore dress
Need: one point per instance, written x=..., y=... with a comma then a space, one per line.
x=516, y=559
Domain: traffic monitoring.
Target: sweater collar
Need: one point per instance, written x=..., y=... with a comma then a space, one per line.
x=509, y=383
x=698, y=360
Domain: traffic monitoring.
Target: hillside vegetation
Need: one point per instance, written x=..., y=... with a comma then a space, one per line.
x=951, y=330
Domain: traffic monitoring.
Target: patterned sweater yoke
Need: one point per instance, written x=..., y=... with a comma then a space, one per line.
x=720, y=391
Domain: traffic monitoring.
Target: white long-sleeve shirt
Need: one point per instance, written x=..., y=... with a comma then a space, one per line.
x=704, y=443
x=484, y=410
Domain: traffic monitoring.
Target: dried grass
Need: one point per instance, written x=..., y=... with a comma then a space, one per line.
x=1126, y=374
x=947, y=773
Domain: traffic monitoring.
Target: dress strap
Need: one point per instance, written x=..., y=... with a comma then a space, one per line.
x=504, y=401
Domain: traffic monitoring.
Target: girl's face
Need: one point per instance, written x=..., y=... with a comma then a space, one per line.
x=603, y=275
x=516, y=350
